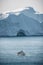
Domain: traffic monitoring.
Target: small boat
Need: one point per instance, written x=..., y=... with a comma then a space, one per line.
x=21, y=53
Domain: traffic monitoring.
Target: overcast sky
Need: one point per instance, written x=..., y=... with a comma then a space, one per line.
x=9, y=5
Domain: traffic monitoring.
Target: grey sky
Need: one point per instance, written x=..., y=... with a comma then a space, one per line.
x=9, y=5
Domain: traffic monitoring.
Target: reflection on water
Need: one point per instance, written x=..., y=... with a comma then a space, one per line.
x=32, y=46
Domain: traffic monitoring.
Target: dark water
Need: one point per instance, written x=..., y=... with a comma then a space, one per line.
x=21, y=63
x=32, y=46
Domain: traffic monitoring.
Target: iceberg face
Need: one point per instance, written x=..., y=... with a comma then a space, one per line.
x=30, y=12
x=26, y=21
x=3, y=16
x=42, y=25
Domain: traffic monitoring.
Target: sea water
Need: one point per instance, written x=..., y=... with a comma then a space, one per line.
x=32, y=47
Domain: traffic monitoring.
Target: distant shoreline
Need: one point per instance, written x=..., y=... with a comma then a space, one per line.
x=22, y=36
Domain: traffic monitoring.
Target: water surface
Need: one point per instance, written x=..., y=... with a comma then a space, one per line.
x=32, y=46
